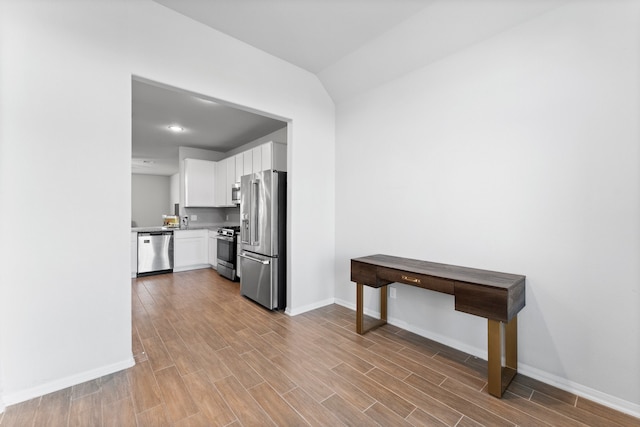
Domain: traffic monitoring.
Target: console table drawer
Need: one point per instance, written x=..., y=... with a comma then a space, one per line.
x=419, y=280
x=484, y=301
x=366, y=274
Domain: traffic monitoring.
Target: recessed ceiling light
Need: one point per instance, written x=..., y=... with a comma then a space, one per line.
x=176, y=128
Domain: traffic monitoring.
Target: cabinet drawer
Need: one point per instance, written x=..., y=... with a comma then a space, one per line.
x=414, y=279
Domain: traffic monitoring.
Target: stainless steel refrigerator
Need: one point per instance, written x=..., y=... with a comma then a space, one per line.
x=263, y=208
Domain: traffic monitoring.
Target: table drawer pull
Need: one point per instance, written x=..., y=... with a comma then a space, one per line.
x=410, y=279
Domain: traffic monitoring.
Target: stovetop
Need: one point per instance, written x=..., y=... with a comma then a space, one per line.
x=229, y=230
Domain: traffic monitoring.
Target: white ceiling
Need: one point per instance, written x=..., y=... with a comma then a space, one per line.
x=351, y=45
x=207, y=124
x=312, y=34
x=355, y=45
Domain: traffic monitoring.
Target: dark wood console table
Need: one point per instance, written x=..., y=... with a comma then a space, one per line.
x=498, y=297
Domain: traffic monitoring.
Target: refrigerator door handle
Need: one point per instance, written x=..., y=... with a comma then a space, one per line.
x=255, y=193
x=265, y=261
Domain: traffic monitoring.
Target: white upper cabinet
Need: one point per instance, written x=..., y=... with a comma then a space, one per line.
x=239, y=167
x=274, y=156
x=256, y=165
x=230, y=179
x=199, y=183
x=221, y=181
x=247, y=160
x=269, y=156
x=208, y=184
x=225, y=178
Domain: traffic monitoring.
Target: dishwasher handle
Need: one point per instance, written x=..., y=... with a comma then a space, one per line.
x=261, y=261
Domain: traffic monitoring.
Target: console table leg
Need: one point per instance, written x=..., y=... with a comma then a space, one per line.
x=360, y=309
x=511, y=343
x=383, y=303
x=495, y=355
x=499, y=377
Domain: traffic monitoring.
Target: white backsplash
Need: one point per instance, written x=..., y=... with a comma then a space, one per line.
x=207, y=216
x=232, y=216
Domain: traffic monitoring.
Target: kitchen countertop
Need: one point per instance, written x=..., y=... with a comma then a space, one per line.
x=212, y=227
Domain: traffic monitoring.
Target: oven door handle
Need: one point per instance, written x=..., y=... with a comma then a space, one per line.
x=227, y=238
x=261, y=261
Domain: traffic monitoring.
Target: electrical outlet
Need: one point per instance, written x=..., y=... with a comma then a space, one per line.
x=194, y=217
x=227, y=218
x=392, y=292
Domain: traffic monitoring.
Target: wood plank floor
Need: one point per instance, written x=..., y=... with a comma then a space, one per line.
x=205, y=356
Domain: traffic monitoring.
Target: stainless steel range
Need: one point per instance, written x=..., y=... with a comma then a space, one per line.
x=227, y=251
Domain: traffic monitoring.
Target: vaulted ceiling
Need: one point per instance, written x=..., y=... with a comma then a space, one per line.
x=351, y=45
x=354, y=45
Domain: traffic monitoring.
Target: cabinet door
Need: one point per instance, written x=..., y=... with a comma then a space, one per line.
x=199, y=183
x=247, y=160
x=278, y=156
x=239, y=167
x=190, y=248
x=221, y=180
x=256, y=154
x=266, y=152
x=230, y=179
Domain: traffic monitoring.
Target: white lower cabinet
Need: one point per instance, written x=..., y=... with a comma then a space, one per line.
x=134, y=254
x=190, y=249
x=213, y=249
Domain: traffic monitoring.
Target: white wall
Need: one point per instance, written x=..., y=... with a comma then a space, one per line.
x=519, y=154
x=65, y=309
x=65, y=173
x=149, y=199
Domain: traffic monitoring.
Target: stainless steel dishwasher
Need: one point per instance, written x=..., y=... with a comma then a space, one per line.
x=155, y=252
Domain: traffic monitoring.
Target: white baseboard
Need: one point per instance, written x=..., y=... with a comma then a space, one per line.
x=62, y=383
x=191, y=267
x=299, y=310
x=545, y=377
x=589, y=393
